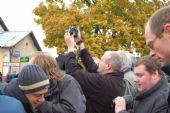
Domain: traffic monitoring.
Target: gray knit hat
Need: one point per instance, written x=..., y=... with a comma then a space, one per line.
x=32, y=78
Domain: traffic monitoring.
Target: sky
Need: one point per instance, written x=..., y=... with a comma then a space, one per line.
x=18, y=16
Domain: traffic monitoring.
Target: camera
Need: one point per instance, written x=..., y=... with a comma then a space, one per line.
x=128, y=100
x=73, y=31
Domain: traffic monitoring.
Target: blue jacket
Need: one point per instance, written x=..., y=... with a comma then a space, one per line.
x=11, y=89
x=10, y=105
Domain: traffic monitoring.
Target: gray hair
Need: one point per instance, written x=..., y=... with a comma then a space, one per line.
x=128, y=60
x=114, y=58
x=158, y=20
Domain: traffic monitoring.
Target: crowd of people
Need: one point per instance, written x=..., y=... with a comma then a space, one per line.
x=115, y=83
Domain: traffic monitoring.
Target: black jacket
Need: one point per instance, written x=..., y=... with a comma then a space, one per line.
x=63, y=96
x=166, y=68
x=99, y=89
x=153, y=100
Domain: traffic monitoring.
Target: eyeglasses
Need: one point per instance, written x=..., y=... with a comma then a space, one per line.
x=151, y=43
x=158, y=36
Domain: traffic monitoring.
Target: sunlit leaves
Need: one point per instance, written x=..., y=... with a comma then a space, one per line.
x=124, y=19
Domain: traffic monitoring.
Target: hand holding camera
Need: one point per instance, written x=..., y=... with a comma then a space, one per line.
x=72, y=36
x=69, y=39
x=75, y=32
x=123, y=103
x=119, y=104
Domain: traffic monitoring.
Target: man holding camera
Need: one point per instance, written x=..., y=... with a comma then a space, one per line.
x=100, y=83
x=152, y=86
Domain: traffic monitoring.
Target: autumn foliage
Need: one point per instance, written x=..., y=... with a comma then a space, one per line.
x=104, y=24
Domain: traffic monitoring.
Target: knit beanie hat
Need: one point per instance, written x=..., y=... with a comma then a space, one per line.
x=32, y=79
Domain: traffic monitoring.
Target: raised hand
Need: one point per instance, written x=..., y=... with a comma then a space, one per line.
x=69, y=41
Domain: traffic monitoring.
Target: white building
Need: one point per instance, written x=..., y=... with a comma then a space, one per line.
x=16, y=48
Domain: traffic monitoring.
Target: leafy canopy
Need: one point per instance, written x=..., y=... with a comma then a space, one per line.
x=104, y=24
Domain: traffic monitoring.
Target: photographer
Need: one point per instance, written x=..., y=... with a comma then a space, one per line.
x=100, y=83
x=152, y=86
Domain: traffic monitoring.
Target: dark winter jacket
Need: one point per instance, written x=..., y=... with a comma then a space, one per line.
x=12, y=89
x=99, y=89
x=166, y=68
x=153, y=100
x=65, y=96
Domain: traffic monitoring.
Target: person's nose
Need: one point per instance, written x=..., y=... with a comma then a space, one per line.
x=41, y=99
x=135, y=79
x=152, y=53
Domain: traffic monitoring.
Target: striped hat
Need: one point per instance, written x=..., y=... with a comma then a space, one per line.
x=32, y=79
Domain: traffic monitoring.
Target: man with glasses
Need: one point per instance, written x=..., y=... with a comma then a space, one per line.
x=157, y=34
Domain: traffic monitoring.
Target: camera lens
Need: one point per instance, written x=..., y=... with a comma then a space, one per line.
x=129, y=101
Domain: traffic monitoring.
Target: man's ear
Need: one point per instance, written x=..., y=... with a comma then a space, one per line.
x=155, y=75
x=109, y=66
x=167, y=28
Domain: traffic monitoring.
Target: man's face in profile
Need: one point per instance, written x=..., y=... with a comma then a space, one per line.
x=143, y=78
x=36, y=97
x=159, y=46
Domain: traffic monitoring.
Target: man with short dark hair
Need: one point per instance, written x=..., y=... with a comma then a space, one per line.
x=157, y=34
x=152, y=86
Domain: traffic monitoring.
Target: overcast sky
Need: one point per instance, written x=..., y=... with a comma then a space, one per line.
x=18, y=16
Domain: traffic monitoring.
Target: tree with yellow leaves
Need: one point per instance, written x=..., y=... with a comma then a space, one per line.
x=104, y=24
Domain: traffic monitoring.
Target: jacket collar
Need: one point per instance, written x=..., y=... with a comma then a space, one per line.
x=119, y=74
x=160, y=85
